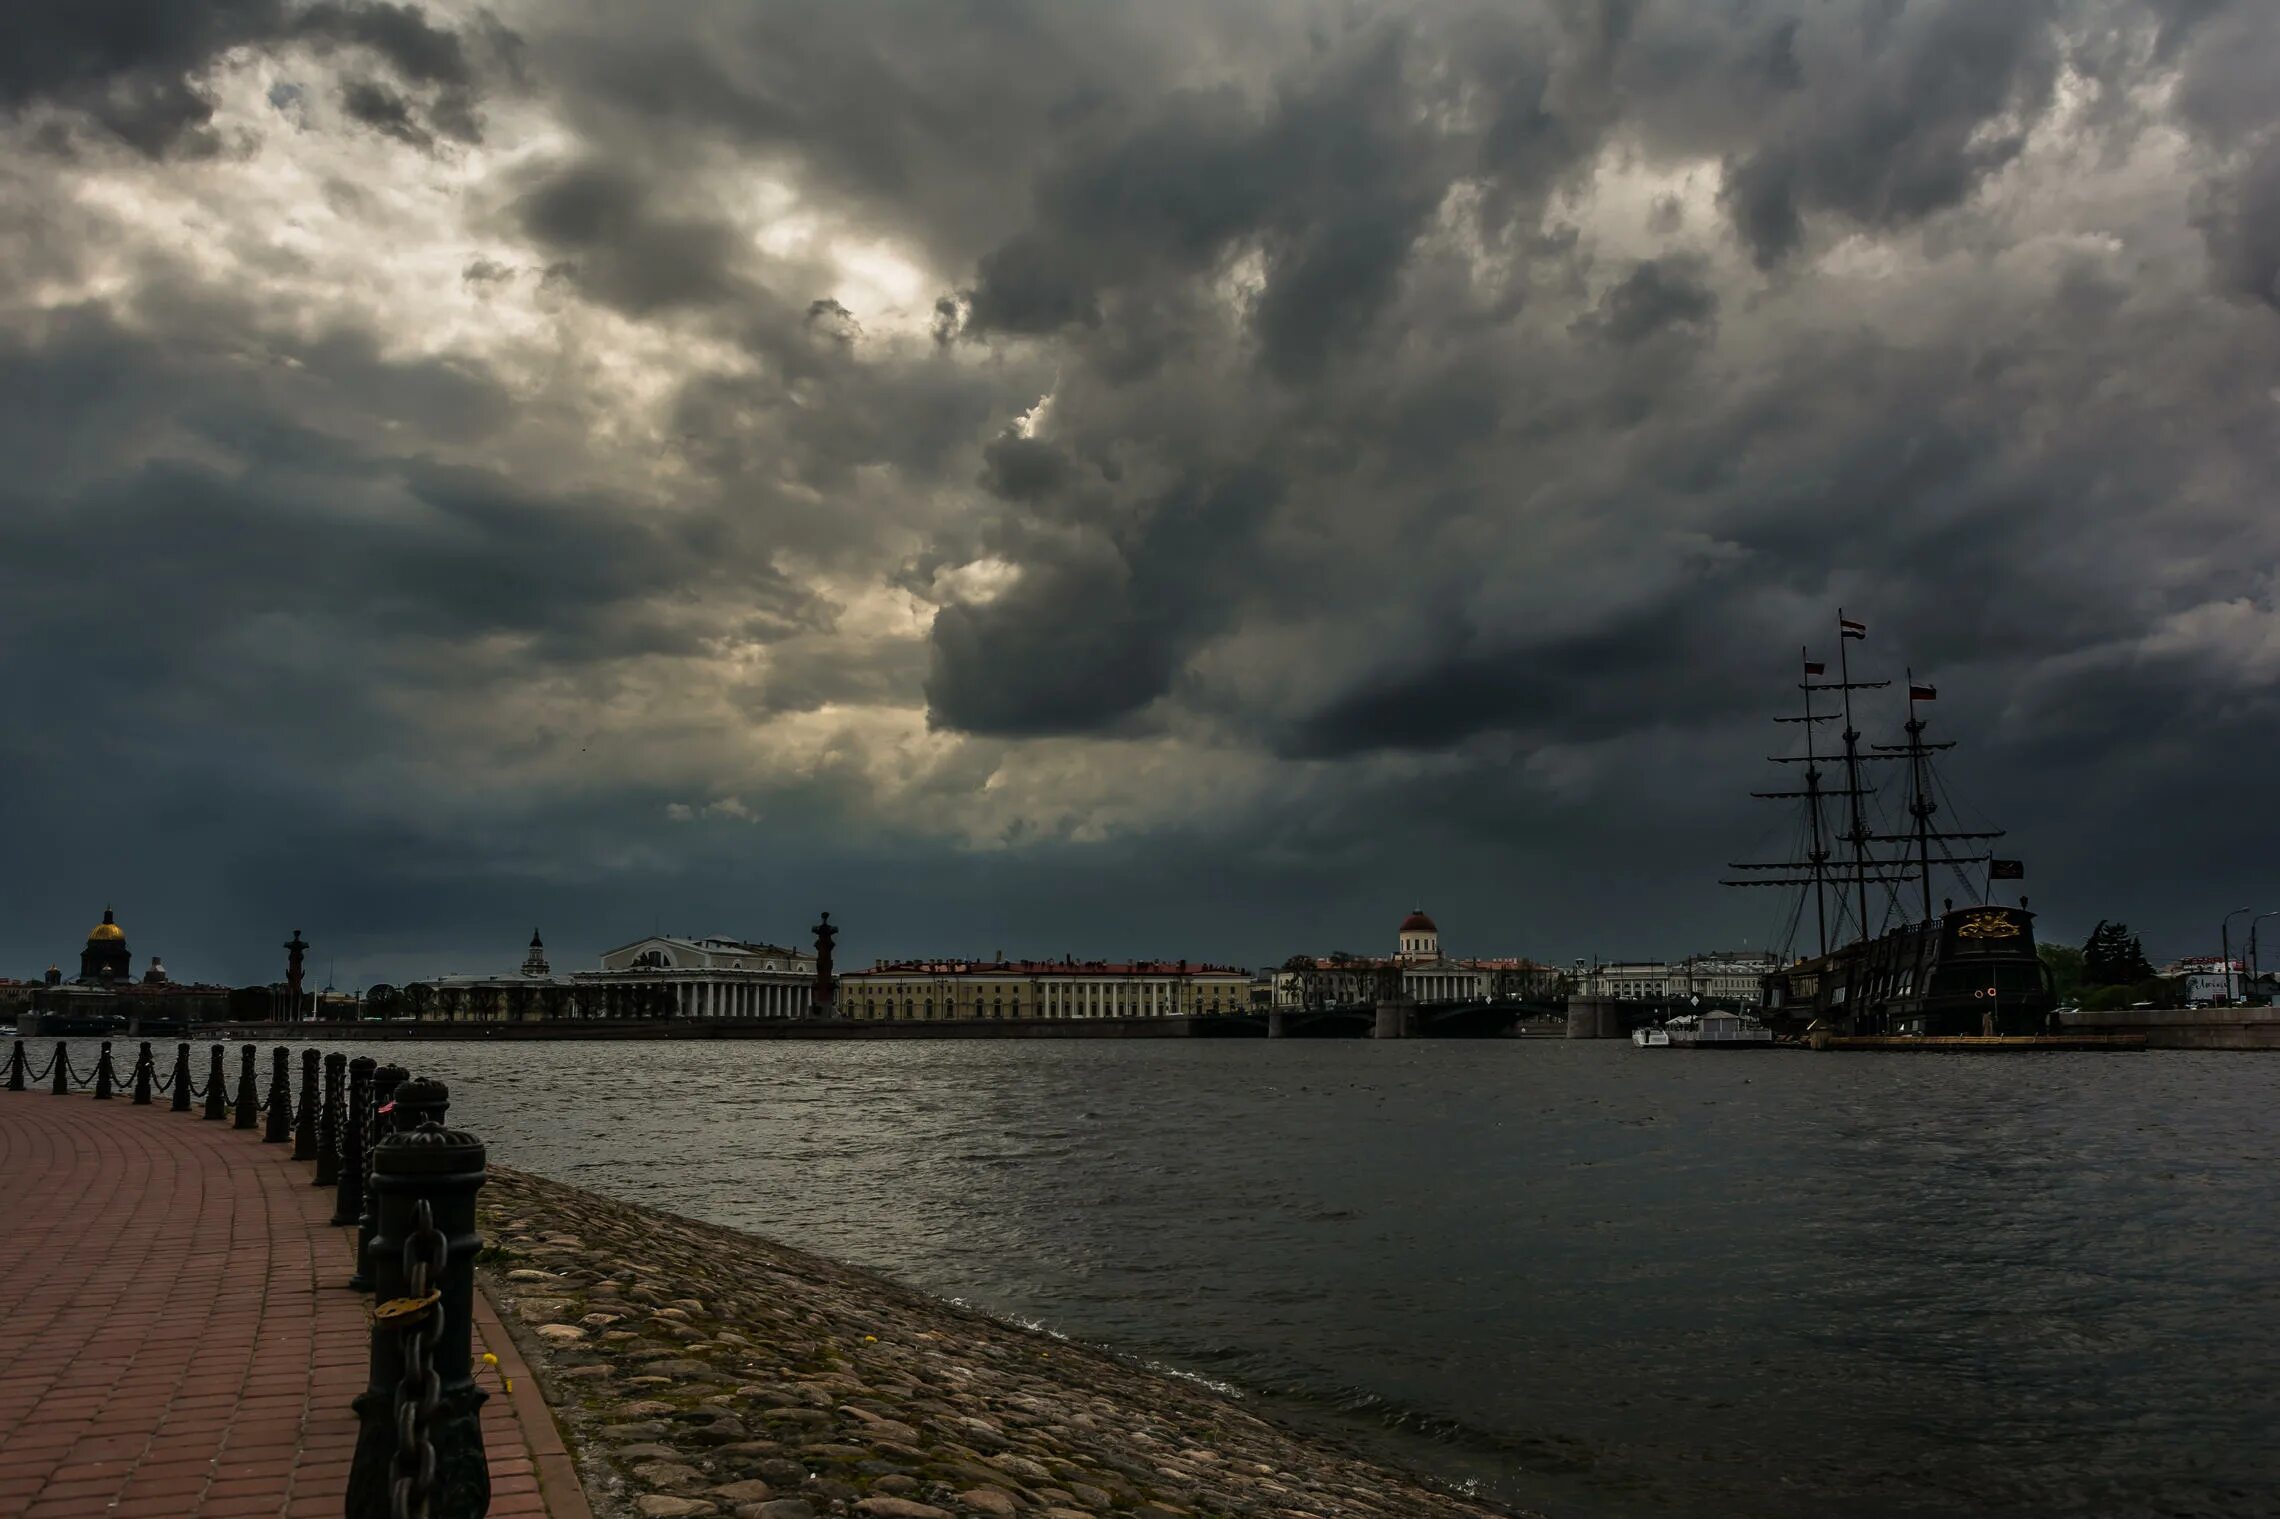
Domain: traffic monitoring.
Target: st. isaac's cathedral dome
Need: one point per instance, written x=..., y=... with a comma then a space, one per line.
x=105, y=958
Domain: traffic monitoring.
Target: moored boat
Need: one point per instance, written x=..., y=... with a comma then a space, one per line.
x=1888, y=963
x=1718, y=1031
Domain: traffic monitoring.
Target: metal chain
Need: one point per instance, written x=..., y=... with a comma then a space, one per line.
x=46, y=1070
x=420, y=1394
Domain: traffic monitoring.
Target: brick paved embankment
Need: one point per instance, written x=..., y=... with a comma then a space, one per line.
x=176, y=1341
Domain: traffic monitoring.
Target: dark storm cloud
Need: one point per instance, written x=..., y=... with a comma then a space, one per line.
x=1459, y=410
x=1658, y=293
x=135, y=69
x=130, y=68
x=1890, y=118
x=621, y=248
x=1108, y=602
x=2241, y=219
x=384, y=110
x=278, y=522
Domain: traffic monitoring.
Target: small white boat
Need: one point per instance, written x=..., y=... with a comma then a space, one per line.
x=1650, y=1038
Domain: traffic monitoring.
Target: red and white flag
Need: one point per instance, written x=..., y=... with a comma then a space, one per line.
x=1922, y=693
x=1852, y=629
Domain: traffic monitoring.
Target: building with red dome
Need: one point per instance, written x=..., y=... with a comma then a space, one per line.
x=1417, y=967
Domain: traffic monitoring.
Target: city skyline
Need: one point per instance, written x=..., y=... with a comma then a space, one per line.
x=1169, y=478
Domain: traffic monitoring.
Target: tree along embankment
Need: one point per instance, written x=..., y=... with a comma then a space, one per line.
x=696, y=1370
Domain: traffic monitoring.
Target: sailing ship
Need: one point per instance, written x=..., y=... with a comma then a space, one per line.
x=1885, y=963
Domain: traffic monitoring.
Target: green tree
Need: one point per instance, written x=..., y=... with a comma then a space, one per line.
x=2113, y=956
x=2065, y=964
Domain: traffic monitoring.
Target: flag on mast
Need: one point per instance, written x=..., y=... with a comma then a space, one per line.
x=1815, y=667
x=1852, y=629
x=1922, y=693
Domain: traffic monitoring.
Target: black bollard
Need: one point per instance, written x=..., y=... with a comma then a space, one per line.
x=180, y=1080
x=62, y=1068
x=217, y=1088
x=348, y=1202
x=16, y=1065
x=279, y=1109
x=105, y=1079
x=328, y=1121
x=143, y=1076
x=379, y=1122
x=248, y=1092
x=305, y=1120
x=419, y=1413
x=420, y=1101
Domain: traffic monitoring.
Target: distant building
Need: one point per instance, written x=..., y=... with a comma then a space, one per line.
x=657, y=977
x=2205, y=979
x=705, y=978
x=1002, y=988
x=107, y=998
x=1417, y=966
x=1735, y=978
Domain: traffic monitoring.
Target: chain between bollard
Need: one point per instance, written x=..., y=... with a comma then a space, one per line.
x=419, y=1316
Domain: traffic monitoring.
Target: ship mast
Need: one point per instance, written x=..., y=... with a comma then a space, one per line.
x=1818, y=873
x=1922, y=804
x=1818, y=853
x=1857, y=833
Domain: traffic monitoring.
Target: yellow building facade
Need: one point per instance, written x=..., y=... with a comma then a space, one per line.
x=968, y=989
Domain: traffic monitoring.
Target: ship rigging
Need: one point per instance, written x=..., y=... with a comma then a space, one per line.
x=1968, y=970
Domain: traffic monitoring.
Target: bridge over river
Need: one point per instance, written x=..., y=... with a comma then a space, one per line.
x=1465, y=1018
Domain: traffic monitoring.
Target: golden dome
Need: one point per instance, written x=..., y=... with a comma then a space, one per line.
x=107, y=930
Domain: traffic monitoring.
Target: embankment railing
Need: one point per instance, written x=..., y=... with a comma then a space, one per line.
x=407, y=1185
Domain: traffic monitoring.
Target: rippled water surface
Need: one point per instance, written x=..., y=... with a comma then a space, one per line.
x=1591, y=1279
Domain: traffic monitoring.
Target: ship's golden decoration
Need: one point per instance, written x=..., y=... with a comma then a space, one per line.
x=1988, y=925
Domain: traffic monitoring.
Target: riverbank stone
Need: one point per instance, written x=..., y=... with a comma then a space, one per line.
x=696, y=1371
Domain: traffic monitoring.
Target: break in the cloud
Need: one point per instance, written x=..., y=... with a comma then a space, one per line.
x=1172, y=477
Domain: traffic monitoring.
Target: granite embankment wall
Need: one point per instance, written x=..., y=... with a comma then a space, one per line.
x=700, y=1371
x=740, y=1028
x=2192, y=1028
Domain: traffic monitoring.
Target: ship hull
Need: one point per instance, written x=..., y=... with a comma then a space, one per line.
x=1970, y=972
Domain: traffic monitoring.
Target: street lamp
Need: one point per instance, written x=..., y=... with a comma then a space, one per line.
x=2260, y=917
x=2224, y=939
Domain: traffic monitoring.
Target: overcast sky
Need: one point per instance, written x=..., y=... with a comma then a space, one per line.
x=1182, y=478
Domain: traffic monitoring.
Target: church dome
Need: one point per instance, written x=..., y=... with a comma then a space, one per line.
x=107, y=931
x=1418, y=923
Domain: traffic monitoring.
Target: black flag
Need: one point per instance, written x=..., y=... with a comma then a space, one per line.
x=2006, y=870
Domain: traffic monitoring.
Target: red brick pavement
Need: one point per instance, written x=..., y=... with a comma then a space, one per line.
x=175, y=1338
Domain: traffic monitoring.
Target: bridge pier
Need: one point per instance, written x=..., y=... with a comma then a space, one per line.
x=1396, y=1018
x=1595, y=1018
x=1275, y=1028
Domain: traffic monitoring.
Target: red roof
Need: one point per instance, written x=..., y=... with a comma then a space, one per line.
x=1418, y=923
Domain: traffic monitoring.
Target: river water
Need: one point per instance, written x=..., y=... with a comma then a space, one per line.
x=1579, y=1277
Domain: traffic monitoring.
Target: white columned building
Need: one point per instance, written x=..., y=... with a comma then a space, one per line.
x=1425, y=973
x=663, y=976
